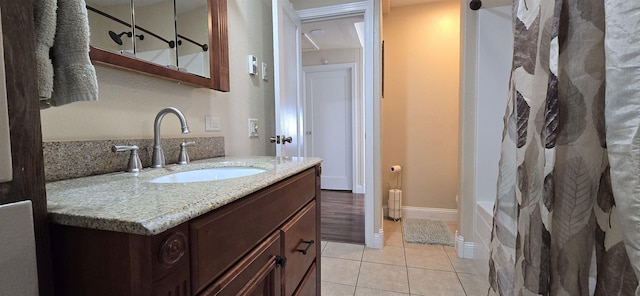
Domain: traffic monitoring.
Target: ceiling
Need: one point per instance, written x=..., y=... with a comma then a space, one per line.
x=338, y=34
x=341, y=33
x=399, y=3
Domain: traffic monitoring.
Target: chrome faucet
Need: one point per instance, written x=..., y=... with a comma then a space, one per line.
x=158, y=156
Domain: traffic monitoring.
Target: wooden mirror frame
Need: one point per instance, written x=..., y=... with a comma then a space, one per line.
x=218, y=56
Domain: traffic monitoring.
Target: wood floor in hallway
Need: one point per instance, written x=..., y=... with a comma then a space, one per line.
x=342, y=218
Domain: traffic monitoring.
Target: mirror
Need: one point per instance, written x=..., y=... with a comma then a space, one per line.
x=193, y=36
x=157, y=18
x=182, y=40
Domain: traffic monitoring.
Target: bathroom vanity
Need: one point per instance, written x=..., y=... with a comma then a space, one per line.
x=119, y=234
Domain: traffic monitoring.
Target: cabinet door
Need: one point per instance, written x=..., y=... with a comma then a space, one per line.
x=299, y=236
x=257, y=274
x=219, y=239
x=308, y=285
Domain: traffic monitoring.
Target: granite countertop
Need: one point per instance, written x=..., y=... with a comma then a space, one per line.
x=127, y=202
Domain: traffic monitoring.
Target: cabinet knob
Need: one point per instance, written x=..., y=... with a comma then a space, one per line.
x=281, y=261
x=309, y=244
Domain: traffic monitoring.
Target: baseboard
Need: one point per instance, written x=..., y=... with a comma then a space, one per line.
x=464, y=249
x=377, y=241
x=450, y=215
x=358, y=189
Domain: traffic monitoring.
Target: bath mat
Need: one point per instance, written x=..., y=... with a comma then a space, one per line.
x=425, y=231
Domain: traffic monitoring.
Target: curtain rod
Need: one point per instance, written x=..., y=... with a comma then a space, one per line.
x=475, y=4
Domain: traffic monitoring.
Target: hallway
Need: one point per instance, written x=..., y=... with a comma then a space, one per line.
x=349, y=268
x=398, y=269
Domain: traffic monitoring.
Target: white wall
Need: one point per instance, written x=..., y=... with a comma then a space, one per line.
x=486, y=62
x=495, y=51
x=128, y=102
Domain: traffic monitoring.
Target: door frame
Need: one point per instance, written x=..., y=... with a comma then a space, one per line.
x=357, y=131
x=278, y=43
x=374, y=234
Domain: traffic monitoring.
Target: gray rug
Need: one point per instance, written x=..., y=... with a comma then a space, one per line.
x=425, y=231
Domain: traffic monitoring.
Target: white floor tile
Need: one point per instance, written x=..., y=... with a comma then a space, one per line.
x=385, y=277
x=386, y=255
x=343, y=251
x=429, y=259
x=333, y=289
x=340, y=271
x=474, y=284
x=434, y=283
x=361, y=291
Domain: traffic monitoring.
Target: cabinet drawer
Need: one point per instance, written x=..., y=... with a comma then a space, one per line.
x=222, y=237
x=256, y=274
x=299, y=236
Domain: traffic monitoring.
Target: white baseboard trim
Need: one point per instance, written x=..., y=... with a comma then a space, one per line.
x=464, y=249
x=449, y=215
x=358, y=189
x=469, y=247
x=378, y=241
x=430, y=213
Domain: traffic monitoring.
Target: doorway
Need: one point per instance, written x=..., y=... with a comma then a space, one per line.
x=329, y=94
x=371, y=173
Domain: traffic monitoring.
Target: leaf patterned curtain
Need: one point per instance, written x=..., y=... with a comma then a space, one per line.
x=565, y=215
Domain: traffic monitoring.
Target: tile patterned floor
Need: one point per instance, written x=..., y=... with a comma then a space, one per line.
x=399, y=268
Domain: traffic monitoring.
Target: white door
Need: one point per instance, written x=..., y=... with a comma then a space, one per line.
x=287, y=55
x=329, y=98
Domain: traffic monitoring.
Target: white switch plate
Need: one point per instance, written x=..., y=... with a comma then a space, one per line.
x=212, y=124
x=253, y=65
x=265, y=73
x=253, y=128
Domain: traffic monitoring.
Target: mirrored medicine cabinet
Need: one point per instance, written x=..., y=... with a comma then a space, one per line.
x=181, y=40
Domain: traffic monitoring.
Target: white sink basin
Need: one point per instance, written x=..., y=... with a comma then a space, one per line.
x=204, y=175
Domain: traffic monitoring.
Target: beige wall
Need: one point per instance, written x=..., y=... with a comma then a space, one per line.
x=129, y=102
x=420, y=105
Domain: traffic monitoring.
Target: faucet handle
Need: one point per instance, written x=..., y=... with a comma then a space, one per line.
x=134, y=165
x=184, y=156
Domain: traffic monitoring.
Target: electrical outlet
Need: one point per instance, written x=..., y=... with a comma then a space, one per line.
x=253, y=128
x=212, y=124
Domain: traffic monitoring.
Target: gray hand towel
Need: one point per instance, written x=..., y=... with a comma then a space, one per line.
x=44, y=19
x=74, y=75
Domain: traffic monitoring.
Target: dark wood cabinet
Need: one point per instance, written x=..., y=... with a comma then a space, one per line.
x=23, y=106
x=267, y=243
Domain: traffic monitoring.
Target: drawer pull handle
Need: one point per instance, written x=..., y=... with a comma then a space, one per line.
x=309, y=244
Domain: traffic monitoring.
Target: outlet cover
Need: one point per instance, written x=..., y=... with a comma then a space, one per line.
x=253, y=128
x=212, y=124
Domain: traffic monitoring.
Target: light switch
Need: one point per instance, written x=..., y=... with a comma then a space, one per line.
x=253, y=128
x=253, y=65
x=265, y=75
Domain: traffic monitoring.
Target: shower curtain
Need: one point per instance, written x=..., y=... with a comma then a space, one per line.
x=567, y=212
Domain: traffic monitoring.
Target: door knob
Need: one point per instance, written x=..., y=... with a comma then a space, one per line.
x=286, y=140
x=275, y=139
